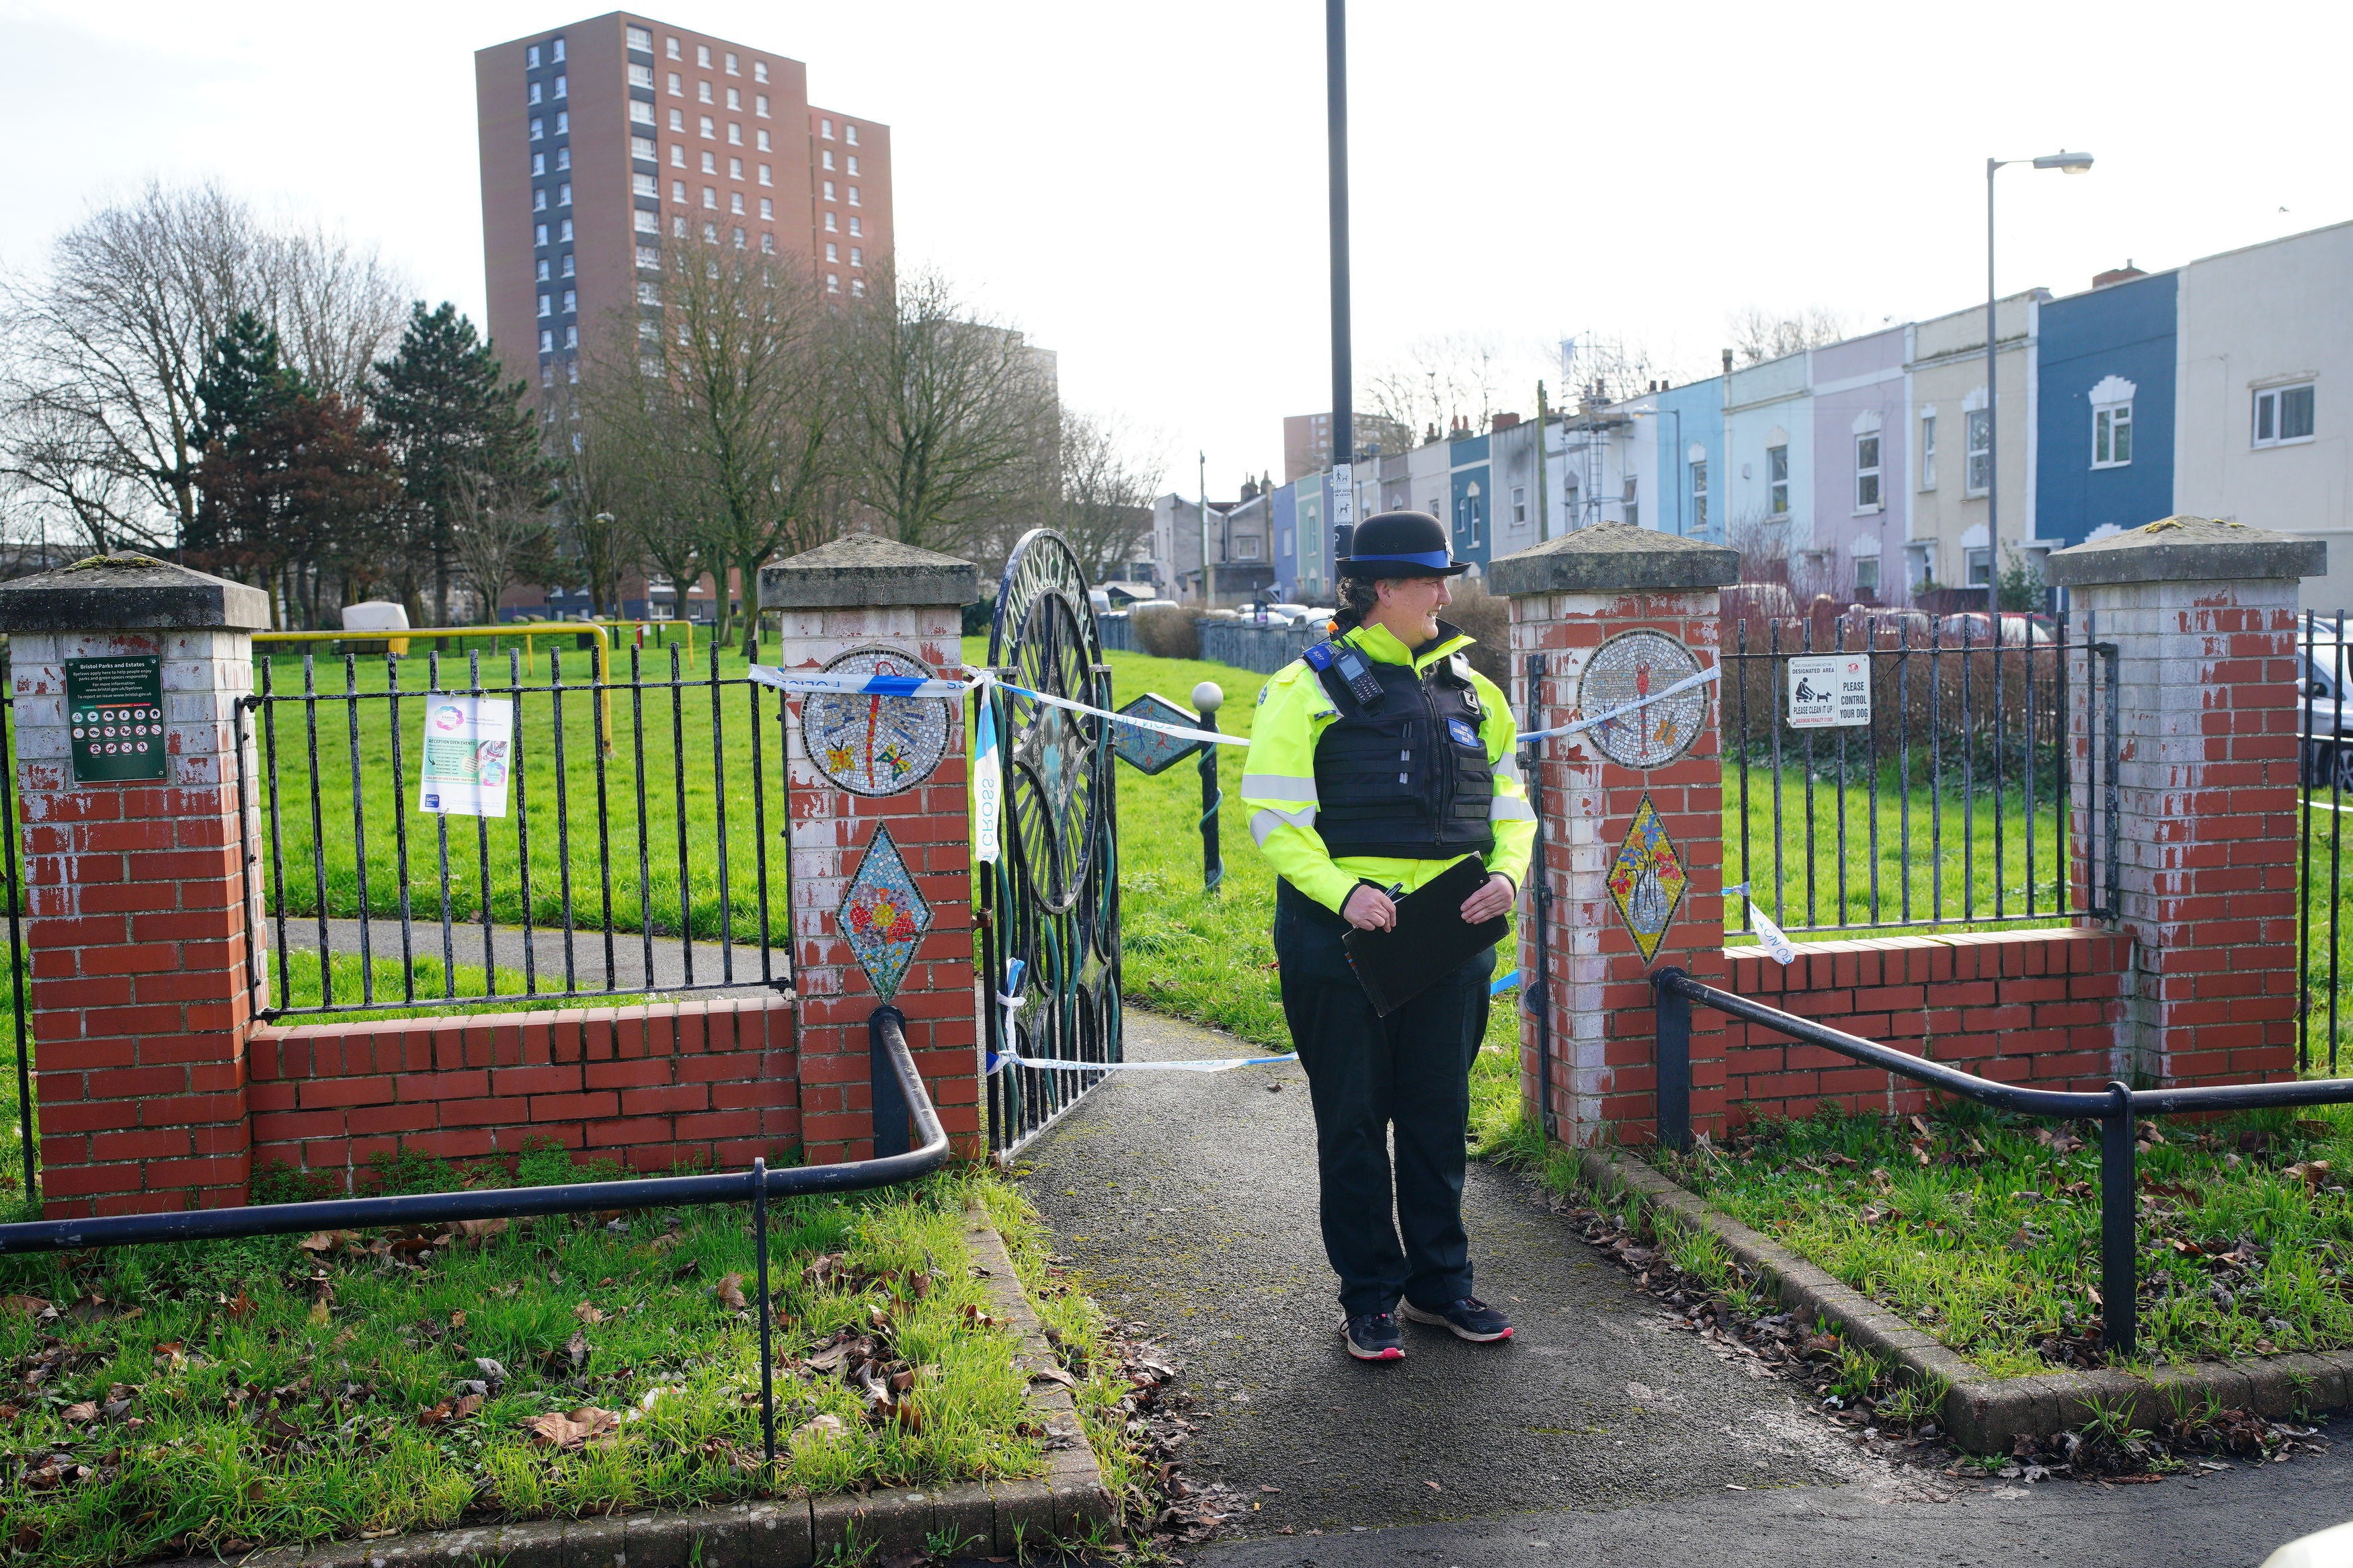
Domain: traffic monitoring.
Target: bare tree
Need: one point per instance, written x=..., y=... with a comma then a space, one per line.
x=1759, y=334
x=953, y=416
x=98, y=388
x=502, y=537
x=595, y=536
x=1107, y=490
x=718, y=414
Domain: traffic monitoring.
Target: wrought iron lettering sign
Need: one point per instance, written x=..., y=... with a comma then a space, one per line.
x=114, y=708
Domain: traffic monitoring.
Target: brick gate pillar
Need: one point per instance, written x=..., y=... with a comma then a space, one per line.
x=1632, y=818
x=136, y=940
x=2203, y=614
x=880, y=834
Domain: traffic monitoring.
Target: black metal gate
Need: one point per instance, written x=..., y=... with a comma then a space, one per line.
x=1050, y=905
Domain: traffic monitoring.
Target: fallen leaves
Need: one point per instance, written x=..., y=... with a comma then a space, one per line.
x=730, y=1292
x=30, y=1306
x=587, y=1312
x=449, y=1410
x=822, y=1429
x=565, y=1433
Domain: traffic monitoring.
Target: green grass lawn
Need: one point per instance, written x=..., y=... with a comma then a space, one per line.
x=208, y=1398
x=1985, y=1229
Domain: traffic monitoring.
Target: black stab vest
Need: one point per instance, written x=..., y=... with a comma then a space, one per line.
x=1397, y=778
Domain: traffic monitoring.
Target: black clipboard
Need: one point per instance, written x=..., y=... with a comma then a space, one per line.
x=1431, y=940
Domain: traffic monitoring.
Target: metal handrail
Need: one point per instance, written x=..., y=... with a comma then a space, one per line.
x=2116, y=1108
x=899, y=1097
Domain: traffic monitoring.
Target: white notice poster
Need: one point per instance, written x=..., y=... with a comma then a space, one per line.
x=469, y=756
x=1830, y=690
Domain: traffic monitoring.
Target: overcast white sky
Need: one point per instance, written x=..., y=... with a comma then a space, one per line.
x=1140, y=187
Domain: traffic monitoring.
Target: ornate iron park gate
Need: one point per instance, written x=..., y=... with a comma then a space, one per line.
x=1050, y=931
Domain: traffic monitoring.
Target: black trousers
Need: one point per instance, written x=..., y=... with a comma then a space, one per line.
x=1368, y=1077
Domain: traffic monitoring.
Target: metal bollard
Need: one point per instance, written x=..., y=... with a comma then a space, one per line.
x=2119, y=1199
x=1673, y=1012
x=1208, y=697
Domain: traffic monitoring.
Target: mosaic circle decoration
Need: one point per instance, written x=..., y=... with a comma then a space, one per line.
x=872, y=745
x=1627, y=668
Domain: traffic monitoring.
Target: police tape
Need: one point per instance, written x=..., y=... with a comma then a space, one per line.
x=999, y=1061
x=1772, y=937
x=912, y=686
x=1578, y=726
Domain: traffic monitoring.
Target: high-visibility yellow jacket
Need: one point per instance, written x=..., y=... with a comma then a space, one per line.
x=1279, y=790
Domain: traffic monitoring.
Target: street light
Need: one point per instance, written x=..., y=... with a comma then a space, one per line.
x=2066, y=162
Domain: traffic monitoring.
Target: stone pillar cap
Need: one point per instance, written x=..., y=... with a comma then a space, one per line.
x=1612, y=556
x=128, y=594
x=2187, y=550
x=866, y=569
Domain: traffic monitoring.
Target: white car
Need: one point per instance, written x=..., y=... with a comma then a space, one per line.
x=2328, y=669
x=2330, y=1548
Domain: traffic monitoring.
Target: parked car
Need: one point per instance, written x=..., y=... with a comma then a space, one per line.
x=2330, y=1548
x=2327, y=714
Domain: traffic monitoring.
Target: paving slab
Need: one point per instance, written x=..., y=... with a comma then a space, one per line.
x=1189, y=1206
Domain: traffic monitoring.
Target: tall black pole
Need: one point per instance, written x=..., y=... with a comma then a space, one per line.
x=1344, y=412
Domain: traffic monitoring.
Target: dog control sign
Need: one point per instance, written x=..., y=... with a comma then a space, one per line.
x=115, y=709
x=1829, y=690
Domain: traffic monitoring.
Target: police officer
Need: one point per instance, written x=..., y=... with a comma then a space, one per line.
x=1377, y=761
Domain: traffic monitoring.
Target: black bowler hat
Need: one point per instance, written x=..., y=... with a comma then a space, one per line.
x=1400, y=544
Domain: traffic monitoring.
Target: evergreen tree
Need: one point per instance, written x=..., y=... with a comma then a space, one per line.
x=445, y=411
x=245, y=380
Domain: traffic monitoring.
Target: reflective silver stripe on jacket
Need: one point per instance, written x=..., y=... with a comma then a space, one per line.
x=1266, y=819
x=1278, y=786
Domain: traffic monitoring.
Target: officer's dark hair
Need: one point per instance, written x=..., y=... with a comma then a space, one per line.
x=1357, y=597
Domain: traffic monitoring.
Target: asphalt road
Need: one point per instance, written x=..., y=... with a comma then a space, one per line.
x=1600, y=1434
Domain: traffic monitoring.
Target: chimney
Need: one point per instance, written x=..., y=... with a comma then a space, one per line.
x=2124, y=274
x=1503, y=421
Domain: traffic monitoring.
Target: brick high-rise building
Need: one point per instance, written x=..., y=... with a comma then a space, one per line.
x=604, y=139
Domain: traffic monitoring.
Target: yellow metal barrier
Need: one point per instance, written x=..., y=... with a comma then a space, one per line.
x=397, y=642
x=657, y=628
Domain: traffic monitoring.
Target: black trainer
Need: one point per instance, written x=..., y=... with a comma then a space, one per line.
x=1373, y=1336
x=1468, y=1319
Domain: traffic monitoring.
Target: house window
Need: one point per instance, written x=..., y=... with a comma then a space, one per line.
x=1699, y=495
x=764, y=178
x=710, y=162
x=710, y=198
x=710, y=234
x=760, y=140
x=760, y=104
x=535, y=92
x=563, y=195
x=2112, y=436
x=566, y=269
x=678, y=121
x=571, y=302
x=641, y=76
x=735, y=203
x=734, y=168
x=767, y=241
x=857, y=226
x=735, y=133
x=703, y=91
x=710, y=128
x=560, y=82
x=853, y=163
x=730, y=65
x=678, y=226
x=828, y=190
x=538, y=129
x=1978, y=560
x=825, y=129
x=642, y=113
x=677, y=156
x=538, y=164
x=1631, y=504
x=642, y=39
x=829, y=224
x=539, y=198
x=857, y=256
x=853, y=202
x=643, y=147
x=1920, y=565
x=648, y=293
x=2282, y=414
x=1519, y=505
x=563, y=121
x=563, y=157
x=542, y=269
x=832, y=251
x=849, y=132
x=559, y=51
x=735, y=98
x=547, y=305
x=531, y=58
x=1927, y=451
x=833, y=283
x=1246, y=547
x=1866, y=577
x=759, y=71
x=677, y=85
x=1979, y=478
x=539, y=234
x=649, y=258
x=1776, y=481
x=702, y=56
x=767, y=210
x=546, y=341
x=825, y=158
x=1866, y=471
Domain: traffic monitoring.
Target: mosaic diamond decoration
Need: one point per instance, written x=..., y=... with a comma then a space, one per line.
x=884, y=916
x=1149, y=750
x=875, y=746
x=1628, y=668
x=1647, y=880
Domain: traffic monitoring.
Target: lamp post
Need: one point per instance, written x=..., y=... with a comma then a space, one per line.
x=2066, y=162
x=1344, y=412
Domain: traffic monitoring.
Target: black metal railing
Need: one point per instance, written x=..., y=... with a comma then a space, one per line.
x=1675, y=993
x=633, y=859
x=1953, y=807
x=2325, y=767
x=899, y=1099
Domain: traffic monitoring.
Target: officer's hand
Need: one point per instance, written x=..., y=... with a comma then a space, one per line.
x=1369, y=908
x=1489, y=900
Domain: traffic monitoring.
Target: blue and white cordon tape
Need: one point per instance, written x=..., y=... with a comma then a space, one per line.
x=1011, y=999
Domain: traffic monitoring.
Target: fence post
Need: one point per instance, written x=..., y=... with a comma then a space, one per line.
x=1632, y=837
x=2203, y=772
x=2119, y=1196
x=1208, y=697
x=875, y=921
x=141, y=919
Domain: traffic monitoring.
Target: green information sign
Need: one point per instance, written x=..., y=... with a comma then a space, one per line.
x=114, y=708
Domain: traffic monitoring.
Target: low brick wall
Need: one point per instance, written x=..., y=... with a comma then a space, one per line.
x=2039, y=1008
x=654, y=1086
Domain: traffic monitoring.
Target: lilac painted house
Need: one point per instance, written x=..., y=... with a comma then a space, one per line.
x=1860, y=513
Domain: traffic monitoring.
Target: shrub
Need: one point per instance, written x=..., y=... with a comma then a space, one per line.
x=1488, y=618
x=1167, y=631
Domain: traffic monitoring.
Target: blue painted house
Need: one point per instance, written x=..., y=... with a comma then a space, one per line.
x=1687, y=422
x=1471, y=499
x=2103, y=424
x=1286, y=541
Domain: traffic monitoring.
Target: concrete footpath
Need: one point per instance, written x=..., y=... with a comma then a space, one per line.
x=1599, y=1433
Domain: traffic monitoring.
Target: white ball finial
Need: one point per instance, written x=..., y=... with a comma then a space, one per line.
x=1208, y=697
